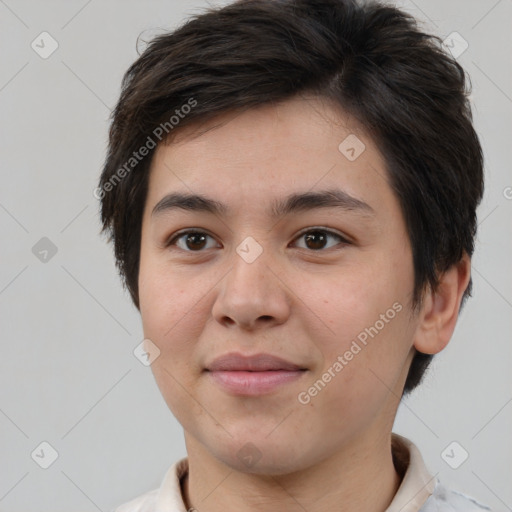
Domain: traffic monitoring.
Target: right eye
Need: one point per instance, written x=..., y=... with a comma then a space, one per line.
x=190, y=239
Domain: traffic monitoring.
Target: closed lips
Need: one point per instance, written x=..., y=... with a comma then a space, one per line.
x=255, y=363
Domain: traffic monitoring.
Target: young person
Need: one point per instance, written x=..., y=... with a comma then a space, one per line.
x=291, y=190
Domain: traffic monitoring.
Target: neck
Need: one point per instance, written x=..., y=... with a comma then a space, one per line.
x=359, y=476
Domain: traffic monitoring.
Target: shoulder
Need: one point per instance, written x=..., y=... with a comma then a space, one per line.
x=143, y=503
x=444, y=499
x=168, y=495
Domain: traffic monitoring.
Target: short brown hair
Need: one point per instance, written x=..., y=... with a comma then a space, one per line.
x=370, y=58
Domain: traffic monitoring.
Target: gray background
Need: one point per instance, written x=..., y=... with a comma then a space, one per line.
x=68, y=375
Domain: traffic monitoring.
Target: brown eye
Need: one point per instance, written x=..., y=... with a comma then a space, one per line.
x=191, y=241
x=317, y=239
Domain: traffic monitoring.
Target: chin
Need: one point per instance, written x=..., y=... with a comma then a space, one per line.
x=262, y=456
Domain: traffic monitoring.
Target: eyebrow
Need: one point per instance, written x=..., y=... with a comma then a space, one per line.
x=294, y=203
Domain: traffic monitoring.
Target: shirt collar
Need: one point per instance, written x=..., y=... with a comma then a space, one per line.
x=417, y=483
x=416, y=486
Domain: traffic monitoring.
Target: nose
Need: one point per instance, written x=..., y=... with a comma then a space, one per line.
x=253, y=294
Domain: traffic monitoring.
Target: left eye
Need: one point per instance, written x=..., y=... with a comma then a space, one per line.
x=315, y=238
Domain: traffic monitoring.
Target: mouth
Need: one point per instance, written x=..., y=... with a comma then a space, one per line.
x=255, y=363
x=252, y=383
x=253, y=375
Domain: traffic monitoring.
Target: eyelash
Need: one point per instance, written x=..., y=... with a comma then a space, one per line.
x=179, y=235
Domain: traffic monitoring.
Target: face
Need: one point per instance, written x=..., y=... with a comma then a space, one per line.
x=326, y=288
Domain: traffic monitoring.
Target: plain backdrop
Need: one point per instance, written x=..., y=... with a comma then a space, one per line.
x=68, y=374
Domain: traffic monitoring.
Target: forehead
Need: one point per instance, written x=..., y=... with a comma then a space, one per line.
x=254, y=158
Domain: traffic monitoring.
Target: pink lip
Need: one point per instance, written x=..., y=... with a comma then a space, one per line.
x=235, y=361
x=252, y=375
x=252, y=383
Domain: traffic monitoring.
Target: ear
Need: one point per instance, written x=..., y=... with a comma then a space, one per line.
x=440, y=309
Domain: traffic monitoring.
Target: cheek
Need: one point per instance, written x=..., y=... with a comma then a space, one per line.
x=368, y=329
x=351, y=300
x=167, y=312
x=166, y=309
x=358, y=379
x=165, y=295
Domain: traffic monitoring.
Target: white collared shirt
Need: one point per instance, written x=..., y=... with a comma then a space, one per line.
x=418, y=492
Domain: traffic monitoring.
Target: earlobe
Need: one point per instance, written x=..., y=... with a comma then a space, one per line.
x=440, y=309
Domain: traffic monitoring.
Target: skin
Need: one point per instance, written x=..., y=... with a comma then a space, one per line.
x=302, y=303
